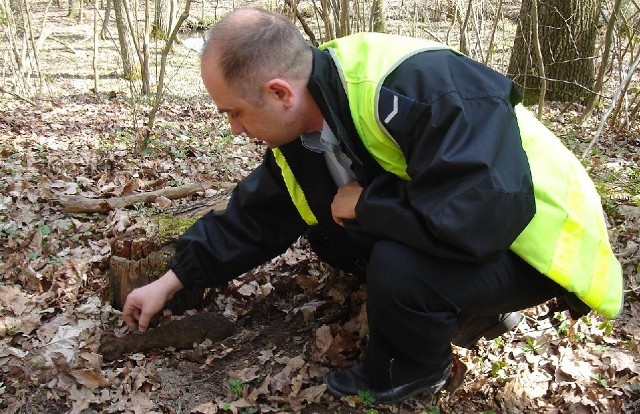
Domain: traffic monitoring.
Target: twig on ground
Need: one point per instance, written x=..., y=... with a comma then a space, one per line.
x=15, y=95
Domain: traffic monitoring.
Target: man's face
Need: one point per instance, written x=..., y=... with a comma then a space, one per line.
x=270, y=122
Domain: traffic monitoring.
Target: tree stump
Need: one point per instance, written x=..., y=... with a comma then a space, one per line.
x=144, y=251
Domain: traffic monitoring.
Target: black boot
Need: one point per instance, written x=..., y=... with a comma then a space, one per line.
x=353, y=380
x=472, y=328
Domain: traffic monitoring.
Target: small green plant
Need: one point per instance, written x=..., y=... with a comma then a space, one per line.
x=498, y=342
x=34, y=177
x=225, y=136
x=7, y=228
x=178, y=153
x=44, y=229
x=7, y=170
x=497, y=369
x=139, y=206
x=32, y=256
x=142, y=207
x=176, y=182
x=601, y=380
x=607, y=327
x=532, y=345
x=366, y=398
x=42, y=150
x=54, y=260
x=565, y=323
x=236, y=387
x=431, y=409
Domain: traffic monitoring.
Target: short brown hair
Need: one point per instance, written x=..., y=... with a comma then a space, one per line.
x=254, y=45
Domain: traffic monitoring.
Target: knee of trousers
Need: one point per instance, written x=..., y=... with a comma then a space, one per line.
x=398, y=275
x=386, y=272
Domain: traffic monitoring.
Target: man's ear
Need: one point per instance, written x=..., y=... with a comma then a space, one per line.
x=281, y=90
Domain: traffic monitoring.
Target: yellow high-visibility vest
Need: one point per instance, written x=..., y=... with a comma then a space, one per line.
x=294, y=189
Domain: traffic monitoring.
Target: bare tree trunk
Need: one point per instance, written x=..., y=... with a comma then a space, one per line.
x=104, y=32
x=593, y=99
x=622, y=101
x=15, y=10
x=464, y=43
x=130, y=13
x=130, y=65
x=377, y=16
x=345, y=28
x=493, y=34
x=75, y=10
x=22, y=44
x=146, y=74
x=165, y=18
x=567, y=37
x=16, y=32
x=303, y=22
x=328, y=24
x=619, y=93
x=163, y=64
x=96, y=76
x=539, y=58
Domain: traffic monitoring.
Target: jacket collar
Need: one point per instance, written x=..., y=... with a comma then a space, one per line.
x=328, y=92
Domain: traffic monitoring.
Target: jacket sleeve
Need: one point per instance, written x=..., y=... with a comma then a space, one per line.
x=470, y=191
x=259, y=223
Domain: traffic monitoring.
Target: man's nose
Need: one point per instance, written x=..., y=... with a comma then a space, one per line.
x=236, y=127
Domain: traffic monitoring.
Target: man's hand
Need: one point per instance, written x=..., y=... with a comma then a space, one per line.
x=344, y=203
x=146, y=301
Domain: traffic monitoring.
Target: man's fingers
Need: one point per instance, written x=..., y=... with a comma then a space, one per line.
x=143, y=321
x=127, y=316
x=131, y=314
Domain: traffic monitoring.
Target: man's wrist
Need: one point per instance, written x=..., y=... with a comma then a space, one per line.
x=170, y=283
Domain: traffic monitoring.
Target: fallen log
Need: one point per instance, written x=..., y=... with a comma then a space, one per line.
x=79, y=204
x=178, y=334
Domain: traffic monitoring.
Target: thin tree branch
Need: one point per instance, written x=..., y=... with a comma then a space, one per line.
x=603, y=121
x=15, y=95
x=163, y=64
x=305, y=26
x=493, y=33
x=593, y=98
x=539, y=58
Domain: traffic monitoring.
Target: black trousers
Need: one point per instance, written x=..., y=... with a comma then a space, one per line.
x=414, y=301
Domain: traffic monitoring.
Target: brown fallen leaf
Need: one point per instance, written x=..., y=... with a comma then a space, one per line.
x=456, y=378
x=90, y=377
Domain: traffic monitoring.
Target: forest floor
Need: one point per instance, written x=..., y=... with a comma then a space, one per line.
x=296, y=317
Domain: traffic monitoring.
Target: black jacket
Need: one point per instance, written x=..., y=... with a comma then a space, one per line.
x=469, y=196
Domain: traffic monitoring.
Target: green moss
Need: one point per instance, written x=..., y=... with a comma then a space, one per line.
x=170, y=228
